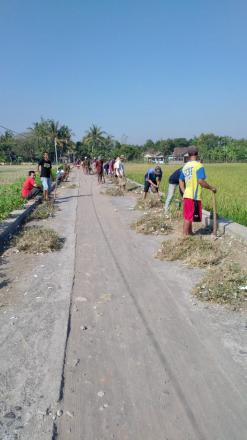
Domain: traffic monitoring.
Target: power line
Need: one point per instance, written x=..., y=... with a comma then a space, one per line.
x=13, y=131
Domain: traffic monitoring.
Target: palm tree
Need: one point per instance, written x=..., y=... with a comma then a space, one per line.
x=94, y=138
x=51, y=134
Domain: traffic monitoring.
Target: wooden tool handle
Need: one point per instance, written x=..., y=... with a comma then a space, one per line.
x=215, y=225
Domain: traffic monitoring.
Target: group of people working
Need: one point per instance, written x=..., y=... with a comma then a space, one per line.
x=190, y=179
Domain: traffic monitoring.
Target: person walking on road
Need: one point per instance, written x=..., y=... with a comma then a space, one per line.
x=191, y=180
x=44, y=167
x=152, y=179
x=173, y=183
x=99, y=170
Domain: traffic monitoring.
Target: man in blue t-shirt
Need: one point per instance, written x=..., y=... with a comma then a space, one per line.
x=152, y=179
x=173, y=183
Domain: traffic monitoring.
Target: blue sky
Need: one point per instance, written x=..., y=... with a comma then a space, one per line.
x=140, y=69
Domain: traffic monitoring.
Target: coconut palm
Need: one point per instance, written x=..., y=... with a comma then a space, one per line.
x=94, y=138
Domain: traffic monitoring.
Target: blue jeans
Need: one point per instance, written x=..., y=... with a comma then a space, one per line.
x=46, y=182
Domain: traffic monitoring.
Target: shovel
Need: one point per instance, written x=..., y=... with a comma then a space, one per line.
x=215, y=224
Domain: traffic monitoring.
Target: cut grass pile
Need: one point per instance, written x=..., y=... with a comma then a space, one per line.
x=226, y=284
x=114, y=191
x=38, y=240
x=43, y=211
x=152, y=223
x=71, y=186
x=196, y=251
x=149, y=203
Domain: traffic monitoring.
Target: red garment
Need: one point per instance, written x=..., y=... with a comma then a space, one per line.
x=28, y=185
x=99, y=166
x=189, y=206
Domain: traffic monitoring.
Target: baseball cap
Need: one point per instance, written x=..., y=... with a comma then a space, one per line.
x=158, y=171
x=192, y=150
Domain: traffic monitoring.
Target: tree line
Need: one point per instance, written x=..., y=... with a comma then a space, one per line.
x=53, y=137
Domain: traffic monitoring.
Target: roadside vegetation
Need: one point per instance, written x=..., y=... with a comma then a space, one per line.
x=36, y=240
x=226, y=284
x=152, y=223
x=195, y=251
x=43, y=211
x=10, y=198
x=11, y=180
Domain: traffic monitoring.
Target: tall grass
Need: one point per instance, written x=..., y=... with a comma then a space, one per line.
x=229, y=179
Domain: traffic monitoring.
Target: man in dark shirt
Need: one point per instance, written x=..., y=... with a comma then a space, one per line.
x=152, y=179
x=173, y=183
x=44, y=168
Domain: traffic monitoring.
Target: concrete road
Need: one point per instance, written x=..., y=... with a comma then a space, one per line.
x=142, y=363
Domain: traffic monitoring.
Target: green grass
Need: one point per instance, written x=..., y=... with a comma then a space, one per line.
x=10, y=198
x=11, y=180
x=229, y=179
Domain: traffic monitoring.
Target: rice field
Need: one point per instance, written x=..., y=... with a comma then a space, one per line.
x=11, y=173
x=229, y=179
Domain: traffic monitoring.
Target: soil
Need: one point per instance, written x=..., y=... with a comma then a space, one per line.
x=95, y=345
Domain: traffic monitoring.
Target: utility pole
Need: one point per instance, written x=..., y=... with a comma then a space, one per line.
x=55, y=145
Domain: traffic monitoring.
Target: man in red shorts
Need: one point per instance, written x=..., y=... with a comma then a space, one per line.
x=191, y=180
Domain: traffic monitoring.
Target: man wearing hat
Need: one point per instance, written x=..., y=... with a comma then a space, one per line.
x=191, y=180
x=152, y=179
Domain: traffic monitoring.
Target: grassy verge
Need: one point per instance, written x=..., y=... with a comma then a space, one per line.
x=196, y=251
x=226, y=284
x=10, y=195
x=37, y=240
x=43, y=211
x=10, y=198
x=152, y=223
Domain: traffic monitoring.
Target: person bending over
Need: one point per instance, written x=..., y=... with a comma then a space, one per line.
x=152, y=179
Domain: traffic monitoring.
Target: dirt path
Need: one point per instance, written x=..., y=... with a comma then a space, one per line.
x=144, y=360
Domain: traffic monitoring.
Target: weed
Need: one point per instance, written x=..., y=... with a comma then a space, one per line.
x=152, y=223
x=197, y=251
x=43, y=211
x=38, y=240
x=114, y=191
x=149, y=203
x=224, y=284
x=71, y=186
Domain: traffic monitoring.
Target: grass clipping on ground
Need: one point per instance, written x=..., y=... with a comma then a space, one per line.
x=114, y=191
x=225, y=284
x=151, y=202
x=38, y=240
x=43, y=211
x=152, y=223
x=196, y=251
x=117, y=190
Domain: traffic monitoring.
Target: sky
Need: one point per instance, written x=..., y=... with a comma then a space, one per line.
x=139, y=69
